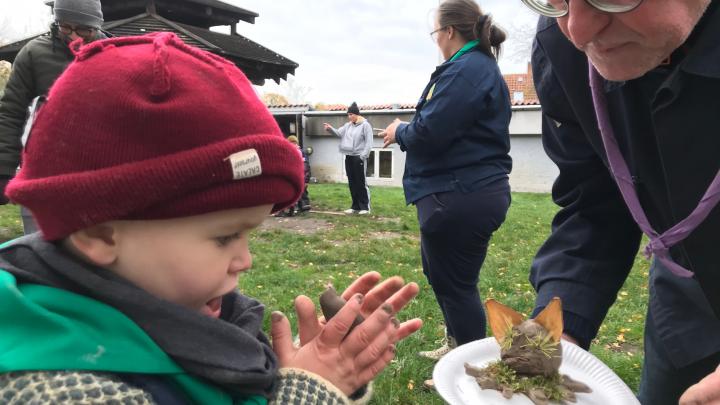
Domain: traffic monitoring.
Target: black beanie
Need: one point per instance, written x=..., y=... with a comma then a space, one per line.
x=353, y=109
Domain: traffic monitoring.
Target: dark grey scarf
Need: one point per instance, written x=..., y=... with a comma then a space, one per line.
x=231, y=351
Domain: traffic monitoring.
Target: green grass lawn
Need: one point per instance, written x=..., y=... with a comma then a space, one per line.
x=338, y=248
x=287, y=264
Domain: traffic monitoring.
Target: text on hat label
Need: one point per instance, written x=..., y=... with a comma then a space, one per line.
x=245, y=164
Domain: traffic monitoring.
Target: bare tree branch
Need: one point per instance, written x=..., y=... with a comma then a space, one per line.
x=520, y=40
x=294, y=92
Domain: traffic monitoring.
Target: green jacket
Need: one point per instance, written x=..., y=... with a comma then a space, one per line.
x=46, y=328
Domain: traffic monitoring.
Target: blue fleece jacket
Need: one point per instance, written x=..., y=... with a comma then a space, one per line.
x=459, y=138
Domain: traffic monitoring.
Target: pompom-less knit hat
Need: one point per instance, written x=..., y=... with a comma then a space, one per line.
x=150, y=128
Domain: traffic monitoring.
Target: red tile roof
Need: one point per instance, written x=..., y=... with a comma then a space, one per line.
x=522, y=83
x=370, y=107
x=308, y=106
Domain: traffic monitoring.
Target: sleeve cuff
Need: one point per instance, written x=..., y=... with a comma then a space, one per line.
x=583, y=309
x=398, y=136
x=302, y=387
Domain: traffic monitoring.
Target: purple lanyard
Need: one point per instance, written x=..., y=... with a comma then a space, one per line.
x=659, y=243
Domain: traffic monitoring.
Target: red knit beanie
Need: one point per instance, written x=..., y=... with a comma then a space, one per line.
x=150, y=128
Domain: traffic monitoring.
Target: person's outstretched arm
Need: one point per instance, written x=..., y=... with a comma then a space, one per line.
x=337, y=132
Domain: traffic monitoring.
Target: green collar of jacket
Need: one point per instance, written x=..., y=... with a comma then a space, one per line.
x=466, y=48
x=46, y=328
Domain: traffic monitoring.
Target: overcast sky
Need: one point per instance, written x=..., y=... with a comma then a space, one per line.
x=369, y=51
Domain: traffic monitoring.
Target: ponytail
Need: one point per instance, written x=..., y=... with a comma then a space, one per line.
x=490, y=36
x=469, y=21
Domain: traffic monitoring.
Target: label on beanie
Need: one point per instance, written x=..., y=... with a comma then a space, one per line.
x=245, y=164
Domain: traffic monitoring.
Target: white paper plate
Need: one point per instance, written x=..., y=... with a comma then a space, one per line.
x=458, y=388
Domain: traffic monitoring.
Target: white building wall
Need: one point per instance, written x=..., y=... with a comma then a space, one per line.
x=532, y=171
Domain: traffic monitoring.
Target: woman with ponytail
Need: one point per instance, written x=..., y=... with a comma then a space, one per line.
x=457, y=164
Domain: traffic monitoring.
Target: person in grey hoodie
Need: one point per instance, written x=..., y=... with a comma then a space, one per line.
x=356, y=141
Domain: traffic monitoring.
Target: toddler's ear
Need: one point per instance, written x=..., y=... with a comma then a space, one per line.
x=501, y=319
x=96, y=244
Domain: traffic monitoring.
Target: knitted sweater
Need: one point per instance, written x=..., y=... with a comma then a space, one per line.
x=78, y=387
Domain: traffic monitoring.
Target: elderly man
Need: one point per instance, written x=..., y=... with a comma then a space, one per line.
x=36, y=67
x=637, y=151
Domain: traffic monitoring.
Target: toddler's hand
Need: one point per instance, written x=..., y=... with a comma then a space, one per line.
x=393, y=291
x=349, y=362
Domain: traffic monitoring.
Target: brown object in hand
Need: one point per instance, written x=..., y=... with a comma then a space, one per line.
x=331, y=302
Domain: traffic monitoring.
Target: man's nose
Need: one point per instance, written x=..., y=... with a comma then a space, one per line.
x=73, y=36
x=585, y=22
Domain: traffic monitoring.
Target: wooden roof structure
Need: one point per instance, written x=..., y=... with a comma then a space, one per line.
x=190, y=20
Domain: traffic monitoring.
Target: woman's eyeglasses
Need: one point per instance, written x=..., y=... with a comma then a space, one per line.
x=84, y=32
x=560, y=8
x=433, y=34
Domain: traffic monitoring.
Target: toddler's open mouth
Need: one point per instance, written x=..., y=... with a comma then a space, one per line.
x=212, y=308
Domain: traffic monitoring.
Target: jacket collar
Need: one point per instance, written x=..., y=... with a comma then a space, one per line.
x=704, y=57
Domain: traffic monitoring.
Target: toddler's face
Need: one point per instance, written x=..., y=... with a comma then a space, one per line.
x=190, y=261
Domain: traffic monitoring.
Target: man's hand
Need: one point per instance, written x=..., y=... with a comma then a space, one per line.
x=3, y=183
x=327, y=126
x=569, y=339
x=706, y=392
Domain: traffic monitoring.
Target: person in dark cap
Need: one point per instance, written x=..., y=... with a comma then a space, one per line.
x=356, y=142
x=35, y=68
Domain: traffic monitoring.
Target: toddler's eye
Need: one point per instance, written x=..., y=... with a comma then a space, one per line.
x=223, y=241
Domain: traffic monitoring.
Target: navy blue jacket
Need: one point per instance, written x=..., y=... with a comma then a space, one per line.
x=458, y=138
x=667, y=124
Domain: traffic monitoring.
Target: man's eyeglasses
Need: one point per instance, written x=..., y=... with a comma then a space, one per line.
x=67, y=29
x=433, y=34
x=560, y=8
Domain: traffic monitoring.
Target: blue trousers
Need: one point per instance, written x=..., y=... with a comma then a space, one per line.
x=455, y=229
x=661, y=382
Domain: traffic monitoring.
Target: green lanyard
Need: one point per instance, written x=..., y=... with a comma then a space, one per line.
x=470, y=45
